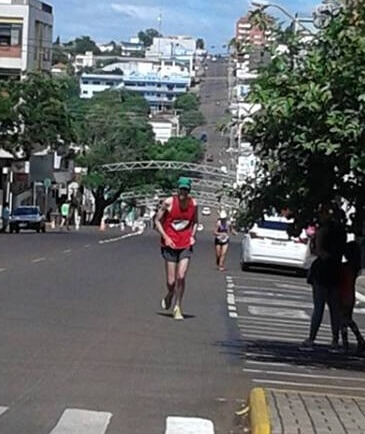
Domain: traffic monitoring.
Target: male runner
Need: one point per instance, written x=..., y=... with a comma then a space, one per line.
x=177, y=221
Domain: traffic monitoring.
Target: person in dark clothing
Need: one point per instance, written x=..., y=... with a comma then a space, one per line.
x=349, y=272
x=324, y=275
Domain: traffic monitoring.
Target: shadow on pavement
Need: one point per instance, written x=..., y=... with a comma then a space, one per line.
x=169, y=315
x=290, y=353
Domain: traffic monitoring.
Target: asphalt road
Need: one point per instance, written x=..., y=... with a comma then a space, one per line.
x=214, y=103
x=83, y=339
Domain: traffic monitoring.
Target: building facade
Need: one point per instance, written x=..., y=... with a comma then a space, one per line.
x=248, y=33
x=159, y=91
x=26, y=30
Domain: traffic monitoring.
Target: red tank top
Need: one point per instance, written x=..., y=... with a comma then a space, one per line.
x=178, y=223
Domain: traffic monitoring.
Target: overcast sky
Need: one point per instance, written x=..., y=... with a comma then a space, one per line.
x=106, y=20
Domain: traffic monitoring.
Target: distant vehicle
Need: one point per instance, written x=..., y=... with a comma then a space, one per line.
x=210, y=158
x=204, y=137
x=214, y=59
x=268, y=243
x=200, y=227
x=217, y=103
x=206, y=211
x=28, y=218
x=224, y=169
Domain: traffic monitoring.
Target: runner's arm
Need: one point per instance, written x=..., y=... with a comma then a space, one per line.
x=196, y=220
x=165, y=207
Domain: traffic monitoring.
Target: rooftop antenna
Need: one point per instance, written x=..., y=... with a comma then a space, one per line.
x=159, y=19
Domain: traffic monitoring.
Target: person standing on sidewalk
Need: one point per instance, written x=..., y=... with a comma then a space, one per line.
x=349, y=273
x=177, y=221
x=5, y=216
x=324, y=275
x=65, y=213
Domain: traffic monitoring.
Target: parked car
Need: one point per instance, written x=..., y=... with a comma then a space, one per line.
x=206, y=211
x=210, y=158
x=268, y=243
x=204, y=137
x=28, y=218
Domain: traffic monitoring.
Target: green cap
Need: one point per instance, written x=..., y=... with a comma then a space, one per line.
x=184, y=183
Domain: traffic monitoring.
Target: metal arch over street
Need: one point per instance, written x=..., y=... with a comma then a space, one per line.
x=201, y=196
x=203, y=169
x=201, y=202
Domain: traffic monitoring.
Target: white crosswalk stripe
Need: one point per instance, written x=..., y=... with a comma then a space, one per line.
x=78, y=421
x=186, y=425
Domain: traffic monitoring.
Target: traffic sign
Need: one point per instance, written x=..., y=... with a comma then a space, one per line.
x=47, y=183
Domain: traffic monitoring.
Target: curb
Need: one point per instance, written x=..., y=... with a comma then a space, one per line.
x=259, y=412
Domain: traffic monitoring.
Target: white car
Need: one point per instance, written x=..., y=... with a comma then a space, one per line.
x=268, y=243
x=206, y=211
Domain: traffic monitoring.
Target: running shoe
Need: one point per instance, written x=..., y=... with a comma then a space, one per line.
x=166, y=302
x=177, y=313
x=307, y=345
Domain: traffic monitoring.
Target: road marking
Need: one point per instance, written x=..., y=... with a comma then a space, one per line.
x=277, y=312
x=273, y=294
x=35, y=261
x=67, y=251
x=233, y=314
x=2, y=270
x=293, y=286
x=123, y=237
x=86, y=246
x=82, y=422
x=270, y=302
x=263, y=290
x=262, y=337
x=231, y=299
x=186, y=425
x=3, y=410
x=280, y=327
x=257, y=362
x=298, y=374
x=279, y=321
x=315, y=385
x=289, y=332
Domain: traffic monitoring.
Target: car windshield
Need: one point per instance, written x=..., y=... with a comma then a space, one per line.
x=25, y=211
x=273, y=225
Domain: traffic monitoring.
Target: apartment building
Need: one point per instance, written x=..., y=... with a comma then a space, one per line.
x=26, y=29
x=248, y=33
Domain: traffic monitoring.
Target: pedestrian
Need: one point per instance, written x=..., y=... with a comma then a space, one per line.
x=221, y=240
x=5, y=216
x=324, y=275
x=349, y=273
x=65, y=213
x=177, y=221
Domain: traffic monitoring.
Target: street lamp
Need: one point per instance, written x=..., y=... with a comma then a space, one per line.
x=264, y=4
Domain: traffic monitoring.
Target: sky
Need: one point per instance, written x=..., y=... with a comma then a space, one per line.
x=106, y=20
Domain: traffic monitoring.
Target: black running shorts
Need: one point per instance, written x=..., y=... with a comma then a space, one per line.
x=176, y=255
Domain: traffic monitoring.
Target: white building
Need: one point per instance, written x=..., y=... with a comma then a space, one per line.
x=82, y=61
x=165, y=126
x=149, y=66
x=246, y=164
x=26, y=29
x=94, y=83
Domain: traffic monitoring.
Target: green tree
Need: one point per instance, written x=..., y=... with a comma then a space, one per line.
x=310, y=134
x=146, y=36
x=9, y=120
x=113, y=127
x=188, y=105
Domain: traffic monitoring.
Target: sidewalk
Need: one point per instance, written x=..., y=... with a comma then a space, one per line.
x=290, y=412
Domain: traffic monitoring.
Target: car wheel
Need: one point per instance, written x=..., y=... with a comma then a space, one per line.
x=244, y=266
x=11, y=230
x=17, y=230
x=44, y=229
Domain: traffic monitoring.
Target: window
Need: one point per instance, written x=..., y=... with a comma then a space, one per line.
x=85, y=81
x=97, y=83
x=10, y=35
x=85, y=92
x=109, y=83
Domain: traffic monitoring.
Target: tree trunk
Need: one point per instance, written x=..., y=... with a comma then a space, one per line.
x=101, y=204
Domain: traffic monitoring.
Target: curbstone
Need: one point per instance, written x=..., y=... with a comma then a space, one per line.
x=259, y=412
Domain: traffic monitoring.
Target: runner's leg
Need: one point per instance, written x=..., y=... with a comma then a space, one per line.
x=170, y=281
x=224, y=250
x=182, y=268
x=218, y=252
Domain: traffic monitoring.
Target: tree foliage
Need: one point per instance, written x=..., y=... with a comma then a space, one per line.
x=146, y=36
x=191, y=117
x=310, y=134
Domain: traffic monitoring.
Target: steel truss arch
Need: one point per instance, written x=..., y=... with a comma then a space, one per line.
x=202, y=169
